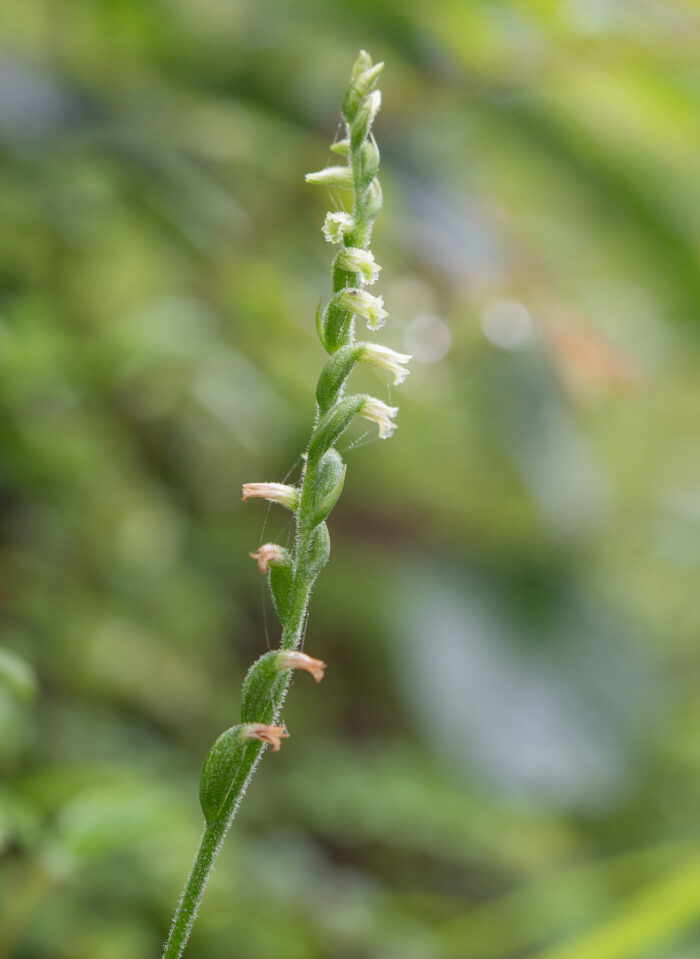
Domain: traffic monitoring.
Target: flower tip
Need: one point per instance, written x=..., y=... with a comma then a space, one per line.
x=381, y=414
x=368, y=77
x=318, y=672
x=274, y=492
x=332, y=176
x=377, y=321
x=362, y=63
x=387, y=359
x=270, y=735
x=269, y=554
x=293, y=659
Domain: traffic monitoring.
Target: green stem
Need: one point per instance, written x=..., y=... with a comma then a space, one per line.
x=188, y=906
x=215, y=832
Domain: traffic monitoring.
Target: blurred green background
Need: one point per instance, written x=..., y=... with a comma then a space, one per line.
x=504, y=758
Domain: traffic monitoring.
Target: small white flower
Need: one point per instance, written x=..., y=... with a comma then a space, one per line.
x=387, y=359
x=381, y=414
x=364, y=304
x=336, y=225
x=339, y=176
x=355, y=260
x=274, y=492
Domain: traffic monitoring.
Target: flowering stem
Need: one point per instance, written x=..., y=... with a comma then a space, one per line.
x=291, y=574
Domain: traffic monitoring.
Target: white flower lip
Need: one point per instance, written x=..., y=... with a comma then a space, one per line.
x=387, y=359
x=381, y=414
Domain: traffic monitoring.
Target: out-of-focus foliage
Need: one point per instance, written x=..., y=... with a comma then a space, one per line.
x=503, y=759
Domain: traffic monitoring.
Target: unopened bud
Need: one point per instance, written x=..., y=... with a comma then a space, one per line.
x=271, y=735
x=370, y=159
x=363, y=62
x=364, y=118
x=373, y=199
x=364, y=72
x=341, y=147
x=269, y=554
x=381, y=414
x=274, y=492
x=387, y=359
x=336, y=225
x=366, y=80
x=355, y=260
x=293, y=659
x=364, y=304
x=332, y=176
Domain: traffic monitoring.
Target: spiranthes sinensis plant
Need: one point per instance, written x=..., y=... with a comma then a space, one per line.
x=292, y=572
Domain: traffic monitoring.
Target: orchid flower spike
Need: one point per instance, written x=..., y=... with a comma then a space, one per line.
x=291, y=573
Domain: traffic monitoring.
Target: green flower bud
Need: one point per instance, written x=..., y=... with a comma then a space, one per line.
x=367, y=78
x=363, y=62
x=373, y=199
x=369, y=153
x=364, y=118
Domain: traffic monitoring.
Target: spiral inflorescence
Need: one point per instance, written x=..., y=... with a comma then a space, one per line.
x=292, y=572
